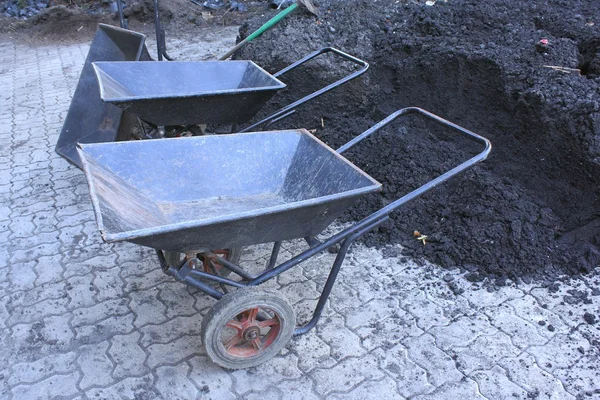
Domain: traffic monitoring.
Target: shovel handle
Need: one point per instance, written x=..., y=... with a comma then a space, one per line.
x=272, y=22
x=268, y=25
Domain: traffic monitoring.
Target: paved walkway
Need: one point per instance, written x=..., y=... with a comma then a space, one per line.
x=85, y=320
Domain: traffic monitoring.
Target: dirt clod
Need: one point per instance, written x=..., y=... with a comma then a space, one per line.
x=589, y=318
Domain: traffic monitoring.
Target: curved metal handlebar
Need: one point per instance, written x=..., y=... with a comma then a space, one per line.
x=382, y=214
x=433, y=183
x=291, y=108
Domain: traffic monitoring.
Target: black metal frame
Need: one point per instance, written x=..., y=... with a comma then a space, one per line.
x=290, y=109
x=187, y=273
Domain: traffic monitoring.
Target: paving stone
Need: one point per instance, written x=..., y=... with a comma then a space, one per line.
x=582, y=376
x=108, y=285
x=170, y=330
x=521, y=332
x=494, y=384
x=462, y=332
x=211, y=380
x=172, y=382
x=22, y=275
x=390, y=331
x=312, y=352
x=382, y=389
x=26, y=298
x=32, y=313
x=266, y=375
x=147, y=307
x=175, y=351
x=31, y=341
x=562, y=351
x=104, y=329
x=99, y=312
x=371, y=313
x=129, y=388
x=178, y=300
x=484, y=352
x=529, y=309
x=268, y=393
x=298, y=389
x=411, y=378
x=81, y=291
x=346, y=375
x=53, y=387
x=483, y=299
x=342, y=341
x=95, y=365
x=49, y=269
x=293, y=275
x=31, y=372
x=524, y=371
x=149, y=280
x=427, y=313
x=423, y=352
x=127, y=355
x=22, y=226
x=464, y=389
x=299, y=291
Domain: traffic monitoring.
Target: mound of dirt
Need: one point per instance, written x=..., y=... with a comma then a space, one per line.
x=526, y=76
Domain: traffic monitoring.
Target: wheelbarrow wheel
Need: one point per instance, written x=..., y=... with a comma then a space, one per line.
x=233, y=255
x=247, y=327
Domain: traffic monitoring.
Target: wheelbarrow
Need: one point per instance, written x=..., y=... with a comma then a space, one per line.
x=204, y=92
x=89, y=119
x=251, y=188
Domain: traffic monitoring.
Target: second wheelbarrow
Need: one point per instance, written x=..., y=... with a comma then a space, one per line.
x=251, y=188
x=204, y=92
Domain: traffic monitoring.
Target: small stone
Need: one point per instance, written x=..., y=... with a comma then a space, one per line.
x=551, y=328
x=542, y=323
x=331, y=29
x=448, y=278
x=589, y=318
x=581, y=350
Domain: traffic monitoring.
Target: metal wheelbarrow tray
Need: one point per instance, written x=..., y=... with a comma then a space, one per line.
x=183, y=93
x=223, y=190
x=237, y=190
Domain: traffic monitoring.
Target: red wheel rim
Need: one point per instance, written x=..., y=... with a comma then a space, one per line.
x=209, y=264
x=249, y=333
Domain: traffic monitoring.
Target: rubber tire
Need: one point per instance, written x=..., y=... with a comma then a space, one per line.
x=233, y=304
x=235, y=253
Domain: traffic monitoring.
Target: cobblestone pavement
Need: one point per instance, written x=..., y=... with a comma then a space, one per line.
x=86, y=320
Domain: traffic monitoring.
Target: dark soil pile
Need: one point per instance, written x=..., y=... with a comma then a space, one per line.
x=524, y=74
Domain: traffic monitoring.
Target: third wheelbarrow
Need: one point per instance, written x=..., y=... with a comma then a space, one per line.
x=221, y=191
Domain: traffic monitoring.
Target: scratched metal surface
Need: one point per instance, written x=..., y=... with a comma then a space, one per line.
x=219, y=191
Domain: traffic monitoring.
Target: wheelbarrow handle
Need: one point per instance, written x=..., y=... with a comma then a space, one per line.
x=381, y=215
x=291, y=108
x=433, y=183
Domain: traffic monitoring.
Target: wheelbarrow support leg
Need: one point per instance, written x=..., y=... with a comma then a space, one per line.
x=337, y=264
